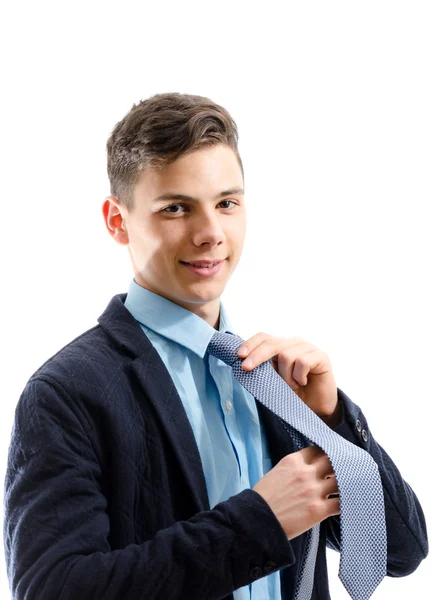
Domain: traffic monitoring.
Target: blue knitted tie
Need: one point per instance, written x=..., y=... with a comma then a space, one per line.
x=362, y=510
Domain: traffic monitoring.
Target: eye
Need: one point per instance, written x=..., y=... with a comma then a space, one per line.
x=185, y=206
x=227, y=201
x=171, y=206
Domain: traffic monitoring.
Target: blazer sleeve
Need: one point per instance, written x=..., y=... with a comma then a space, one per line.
x=56, y=526
x=407, y=541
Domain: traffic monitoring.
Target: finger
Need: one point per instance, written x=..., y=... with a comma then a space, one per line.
x=248, y=346
x=329, y=487
x=324, y=470
x=332, y=507
x=314, y=362
x=314, y=455
x=275, y=348
x=266, y=350
x=291, y=364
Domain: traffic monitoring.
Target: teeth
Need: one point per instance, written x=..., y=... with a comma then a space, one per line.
x=203, y=266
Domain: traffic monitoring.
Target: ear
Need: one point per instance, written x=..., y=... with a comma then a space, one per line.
x=114, y=215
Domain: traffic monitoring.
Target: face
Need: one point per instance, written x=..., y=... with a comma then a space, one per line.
x=192, y=211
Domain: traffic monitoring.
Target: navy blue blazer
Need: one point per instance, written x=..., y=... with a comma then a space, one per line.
x=105, y=496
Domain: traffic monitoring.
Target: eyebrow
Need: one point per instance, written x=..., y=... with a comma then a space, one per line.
x=184, y=197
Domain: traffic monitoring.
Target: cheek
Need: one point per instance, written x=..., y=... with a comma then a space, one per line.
x=239, y=240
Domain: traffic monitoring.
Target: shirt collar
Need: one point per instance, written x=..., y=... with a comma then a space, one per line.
x=173, y=321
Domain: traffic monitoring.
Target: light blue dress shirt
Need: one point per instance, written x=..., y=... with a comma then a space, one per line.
x=223, y=414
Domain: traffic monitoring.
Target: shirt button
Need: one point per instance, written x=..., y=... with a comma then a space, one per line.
x=228, y=405
x=243, y=479
x=358, y=426
x=255, y=573
x=364, y=435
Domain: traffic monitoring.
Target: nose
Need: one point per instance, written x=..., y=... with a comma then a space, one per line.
x=207, y=229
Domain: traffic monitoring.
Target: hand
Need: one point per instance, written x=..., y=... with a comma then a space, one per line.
x=303, y=366
x=297, y=490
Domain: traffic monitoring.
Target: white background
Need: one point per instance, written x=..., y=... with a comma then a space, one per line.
x=332, y=101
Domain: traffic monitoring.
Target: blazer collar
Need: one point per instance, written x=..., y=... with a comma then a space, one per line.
x=119, y=325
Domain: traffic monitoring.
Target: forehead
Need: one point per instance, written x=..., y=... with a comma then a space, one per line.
x=205, y=172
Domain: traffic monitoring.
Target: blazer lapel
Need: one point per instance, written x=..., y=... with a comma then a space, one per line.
x=156, y=382
x=159, y=388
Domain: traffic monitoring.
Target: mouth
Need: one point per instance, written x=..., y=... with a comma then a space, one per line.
x=203, y=263
x=204, y=268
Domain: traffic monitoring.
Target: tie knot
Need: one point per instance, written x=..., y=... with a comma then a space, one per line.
x=225, y=347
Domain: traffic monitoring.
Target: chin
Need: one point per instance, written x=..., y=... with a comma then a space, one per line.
x=202, y=296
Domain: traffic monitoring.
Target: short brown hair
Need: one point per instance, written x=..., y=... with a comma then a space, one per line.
x=156, y=131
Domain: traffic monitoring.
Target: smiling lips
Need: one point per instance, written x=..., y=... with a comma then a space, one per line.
x=205, y=268
x=204, y=263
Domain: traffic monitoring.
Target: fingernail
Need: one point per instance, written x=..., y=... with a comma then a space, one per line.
x=243, y=350
x=247, y=363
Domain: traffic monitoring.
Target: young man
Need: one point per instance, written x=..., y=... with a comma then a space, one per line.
x=139, y=467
